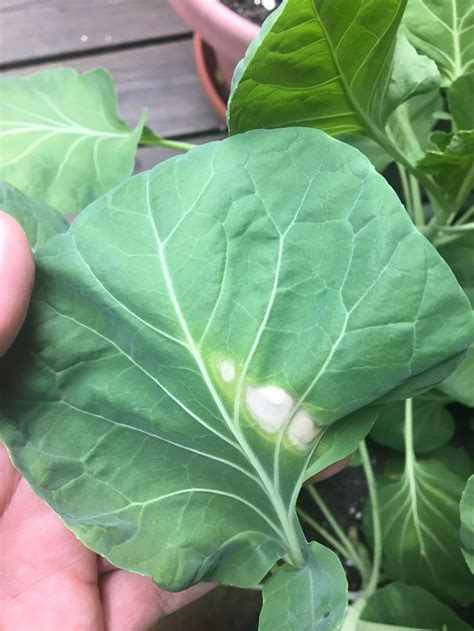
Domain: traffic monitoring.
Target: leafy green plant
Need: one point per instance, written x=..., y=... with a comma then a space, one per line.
x=211, y=334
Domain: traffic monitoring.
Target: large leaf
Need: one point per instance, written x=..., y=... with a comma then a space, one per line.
x=329, y=65
x=311, y=599
x=467, y=522
x=420, y=530
x=39, y=221
x=459, y=255
x=410, y=606
x=61, y=139
x=196, y=329
x=433, y=425
x=443, y=30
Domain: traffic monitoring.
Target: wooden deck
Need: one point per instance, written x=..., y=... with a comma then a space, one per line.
x=142, y=43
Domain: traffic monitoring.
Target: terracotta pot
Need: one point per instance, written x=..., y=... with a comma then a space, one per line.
x=211, y=79
x=228, y=33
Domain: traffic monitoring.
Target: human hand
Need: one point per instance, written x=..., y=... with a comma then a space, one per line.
x=48, y=579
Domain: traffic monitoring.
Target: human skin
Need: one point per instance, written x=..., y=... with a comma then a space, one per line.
x=48, y=579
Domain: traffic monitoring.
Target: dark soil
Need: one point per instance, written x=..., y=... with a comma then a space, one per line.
x=255, y=10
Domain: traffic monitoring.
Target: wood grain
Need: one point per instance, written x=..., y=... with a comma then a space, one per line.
x=162, y=78
x=37, y=28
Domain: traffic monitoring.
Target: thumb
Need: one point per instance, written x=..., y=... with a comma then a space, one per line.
x=16, y=279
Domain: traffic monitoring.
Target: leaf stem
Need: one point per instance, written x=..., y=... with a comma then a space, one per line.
x=166, y=144
x=418, y=211
x=343, y=551
x=406, y=188
x=377, y=528
x=346, y=542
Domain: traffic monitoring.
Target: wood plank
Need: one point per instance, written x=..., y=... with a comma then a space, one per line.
x=162, y=78
x=148, y=157
x=36, y=28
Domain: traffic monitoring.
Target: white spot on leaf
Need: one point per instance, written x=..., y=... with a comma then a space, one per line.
x=226, y=369
x=302, y=430
x=269, y=405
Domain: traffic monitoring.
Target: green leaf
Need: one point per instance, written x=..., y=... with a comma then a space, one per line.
x=460, y=101
x=459, y=384
x=410, y=606
x=38, y=220
x=454, y=459
x=61, y=139
x=459, y=255
x=451, y=163
x=433, y=425
x=412, y=122
x=342, y=438
x=420, y=530
x=311, y=599
x=172, y=380
x=444, y=31
x=467, y=523
x=329, y=65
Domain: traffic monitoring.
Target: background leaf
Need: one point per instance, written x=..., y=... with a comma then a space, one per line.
x=60, y=138
x=420, y=530
x=167, y=392
x=460, y=101
x=39, y=221
x=408, y=606
x=467, y=523
x=443, y=30
x=311, y=599
x=459, y=255
x=433, y=425
x=308, y=68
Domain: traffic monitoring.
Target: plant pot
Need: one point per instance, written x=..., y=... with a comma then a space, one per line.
x=215, y=89
x=228, y=33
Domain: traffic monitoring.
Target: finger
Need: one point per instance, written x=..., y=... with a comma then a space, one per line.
x=133, y=603
x=330, y=471
x=16, y=279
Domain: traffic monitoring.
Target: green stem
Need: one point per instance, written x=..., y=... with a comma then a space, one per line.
x=334, y=543
x=167, y=144
x=377, y=527
x=346, y=542
x=467, y=215
x=464, y=227
x=406, y=189
x=418, y=211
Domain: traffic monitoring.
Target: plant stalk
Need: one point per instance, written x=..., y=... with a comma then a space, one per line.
x=167, y=144
x=377, y=527
x=346, y=542
x=335, y=544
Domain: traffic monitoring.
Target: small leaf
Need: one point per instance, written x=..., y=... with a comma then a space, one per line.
x=467, y=523
x=444, y=31
x=38, y=220
x=460, y=257
x=410, y=606
x=61, y=139
x=195, y=332
x=460, y=101
x=459, y=384
x=342, y=439
x=451, y=163
x=433, y=425
x=311, y=599
x=420, y=530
